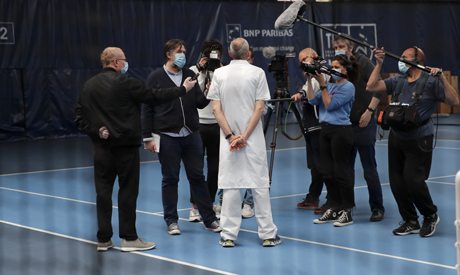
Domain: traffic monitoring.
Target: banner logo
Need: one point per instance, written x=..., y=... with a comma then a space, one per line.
x=233, y=31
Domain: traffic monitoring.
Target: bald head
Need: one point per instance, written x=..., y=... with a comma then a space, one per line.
x=307, y=55
x=409, y=54
x=239, y=49
x=109, y=54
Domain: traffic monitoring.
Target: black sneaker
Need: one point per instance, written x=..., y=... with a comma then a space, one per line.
x=429, y=225
x=328, y=216
x=407, y=227
x=310, y=202
x=345, y=219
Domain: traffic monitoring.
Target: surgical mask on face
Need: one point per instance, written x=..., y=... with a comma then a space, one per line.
x=180, y=60
x=402, y=67
x=125, y=68
x=335, y=76
x=339, y=52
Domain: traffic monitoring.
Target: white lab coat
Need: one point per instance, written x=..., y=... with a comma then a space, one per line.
x=237, y=86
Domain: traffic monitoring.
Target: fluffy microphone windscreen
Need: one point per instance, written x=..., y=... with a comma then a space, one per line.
x=288, y=17
x=269, y=52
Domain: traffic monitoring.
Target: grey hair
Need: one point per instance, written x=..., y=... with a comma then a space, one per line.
x=239, y=48
x=348, y=42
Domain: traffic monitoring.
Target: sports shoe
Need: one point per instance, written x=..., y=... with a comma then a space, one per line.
x=272, y=242
x=310, y=203
x=328, y=216
x=429, y=225
x=377, y=215
x=226, y=243
x=214, y=227
x=217, y=209
x=322, y=209
x=104, y=246
x=136, y=245
x=173, y=229
x=194, y=214
x=345, y=219
x=407, y=227
x=247, y=211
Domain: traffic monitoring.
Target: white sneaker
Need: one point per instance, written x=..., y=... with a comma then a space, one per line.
x=247, y=211
x=194, y=215
x=217, y=209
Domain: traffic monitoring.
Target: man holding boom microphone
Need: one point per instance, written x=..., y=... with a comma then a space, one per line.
x=410, y=146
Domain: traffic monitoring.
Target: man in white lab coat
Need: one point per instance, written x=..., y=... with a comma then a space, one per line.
x=238, y=92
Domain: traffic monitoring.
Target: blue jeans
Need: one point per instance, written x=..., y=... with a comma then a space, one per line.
x=248, y=198
x=189, y=149
x=364, y=143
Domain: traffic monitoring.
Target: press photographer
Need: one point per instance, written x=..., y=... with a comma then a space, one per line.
x=211, y=52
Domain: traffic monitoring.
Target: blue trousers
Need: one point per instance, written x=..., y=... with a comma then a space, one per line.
x=189, y=149
x=364, y=143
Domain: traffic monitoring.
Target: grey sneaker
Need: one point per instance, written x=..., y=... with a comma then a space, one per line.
x=173, y=229
x=194, y=215
x=226, y=243
x=272, y=242
x=104, y=246
x=136, y=245
x=217, y=209
x=214, y=227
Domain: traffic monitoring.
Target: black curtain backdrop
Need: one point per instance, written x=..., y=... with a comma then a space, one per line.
x=49, y=48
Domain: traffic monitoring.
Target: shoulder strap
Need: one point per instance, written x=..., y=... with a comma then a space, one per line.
x=420, y=86
x=397, y=90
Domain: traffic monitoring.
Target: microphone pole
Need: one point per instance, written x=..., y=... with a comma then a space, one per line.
x=423, y=68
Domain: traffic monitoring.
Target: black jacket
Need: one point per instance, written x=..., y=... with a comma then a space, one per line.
x=171, y=116
x=112, y=99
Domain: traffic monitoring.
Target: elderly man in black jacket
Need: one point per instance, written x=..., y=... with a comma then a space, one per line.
x=108, y=111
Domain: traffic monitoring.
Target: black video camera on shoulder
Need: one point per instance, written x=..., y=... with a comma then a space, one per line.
x=314, y=67
x=213, y=58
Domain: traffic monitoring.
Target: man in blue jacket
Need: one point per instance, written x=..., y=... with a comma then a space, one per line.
x=177, y=123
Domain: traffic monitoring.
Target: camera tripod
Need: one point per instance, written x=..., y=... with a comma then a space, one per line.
x=281, y=96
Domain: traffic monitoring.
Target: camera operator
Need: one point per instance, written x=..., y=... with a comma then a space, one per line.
x=311, y=123
x=336, y=138
x=209, y=129
x=362, y=117
x=410, y=151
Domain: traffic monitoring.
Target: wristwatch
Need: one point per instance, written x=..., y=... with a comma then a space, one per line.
x=322, y=87
x=229, y=135
x=370, y=109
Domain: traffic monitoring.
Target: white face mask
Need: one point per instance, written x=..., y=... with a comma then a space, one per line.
x=402, y=67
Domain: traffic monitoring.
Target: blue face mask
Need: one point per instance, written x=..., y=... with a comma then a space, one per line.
x=125, y=69
x=339, y=52
x=335, y=76
x=180, y=60
x=402, y=67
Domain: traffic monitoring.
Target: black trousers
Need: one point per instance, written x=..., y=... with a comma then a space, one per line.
x=314, y=163
x=210, y=136
x=409, y=163
x=336, y=142
x=110, y=162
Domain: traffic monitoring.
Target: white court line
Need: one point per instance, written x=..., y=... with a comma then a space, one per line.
x=250, y=231
x=118, y=248
x=440, y=182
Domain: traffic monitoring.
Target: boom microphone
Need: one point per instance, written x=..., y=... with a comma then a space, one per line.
x=288, y=17
x=269, y=52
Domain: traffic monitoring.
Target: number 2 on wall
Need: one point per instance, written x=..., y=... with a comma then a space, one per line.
x=3, y=33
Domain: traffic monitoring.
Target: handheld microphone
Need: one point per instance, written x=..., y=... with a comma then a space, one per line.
x=288, y=17
x=269, y=52
x=195, y=76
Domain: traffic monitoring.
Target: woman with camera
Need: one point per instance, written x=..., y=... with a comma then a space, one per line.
x=336, y=138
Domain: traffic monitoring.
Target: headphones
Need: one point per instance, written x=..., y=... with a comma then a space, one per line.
x=349, y=65
x=415, y=54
